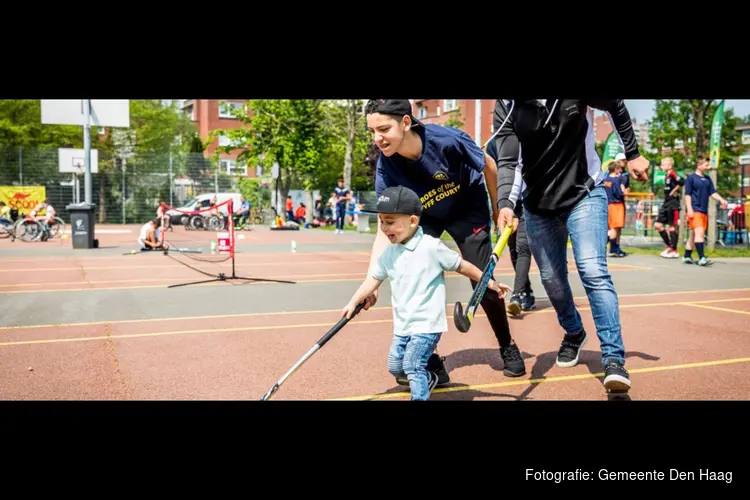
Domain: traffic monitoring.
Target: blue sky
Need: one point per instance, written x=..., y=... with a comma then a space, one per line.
x=643, y=109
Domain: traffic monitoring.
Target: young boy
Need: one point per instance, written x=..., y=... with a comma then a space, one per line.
x=415, y=264
x=669, y=212
x=613, y=185
x=699, y=188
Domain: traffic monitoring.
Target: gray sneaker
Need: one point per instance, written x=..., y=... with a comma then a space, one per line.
x=705, y=262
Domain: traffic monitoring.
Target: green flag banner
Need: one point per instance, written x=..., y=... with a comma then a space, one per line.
x=611, y=148
x=716, y=135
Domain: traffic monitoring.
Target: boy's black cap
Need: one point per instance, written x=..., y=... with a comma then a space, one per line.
x=399, y=107
x=399, y=200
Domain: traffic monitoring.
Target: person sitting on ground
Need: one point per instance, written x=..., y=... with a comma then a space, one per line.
x=150, y=236
x=415, y=264
x=5, y=217
x=300, y=214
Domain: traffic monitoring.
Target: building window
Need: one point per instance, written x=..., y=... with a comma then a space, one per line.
x=224, y=140
x=227, y=109
x=450, y=104
x=231, y=167
x=746, y=137
x=421, y=112
x=745, y=159
x=746, y=182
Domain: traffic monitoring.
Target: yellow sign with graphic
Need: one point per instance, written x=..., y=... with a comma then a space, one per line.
x=22, y=198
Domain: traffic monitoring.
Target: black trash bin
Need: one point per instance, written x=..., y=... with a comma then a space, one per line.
x=82, y=225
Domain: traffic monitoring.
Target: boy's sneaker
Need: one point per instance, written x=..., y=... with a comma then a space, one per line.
x=616, y=377
x=570, y=349
x=432, y=382
x=514, y=364
x=688, y=260
x=514, y=305
x=436, y=366
x=705, y=262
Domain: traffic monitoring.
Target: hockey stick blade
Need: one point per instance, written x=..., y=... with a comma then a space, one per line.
x=463, y=319
x=320, y=343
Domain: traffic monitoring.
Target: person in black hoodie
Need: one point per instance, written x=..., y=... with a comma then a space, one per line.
x=557, y=174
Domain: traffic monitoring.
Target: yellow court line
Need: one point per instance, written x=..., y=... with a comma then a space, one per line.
x=537, y=381
x=448, y=275
x=296, y=326
x=722, y=309
x=379, y=308
x=176, y=265
x=178, y=278
x=180, y=332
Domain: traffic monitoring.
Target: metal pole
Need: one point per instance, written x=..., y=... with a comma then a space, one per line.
x=478, y=121
x=712, y=216
x=123, y=191
x=87, y=148
x=171, y=181
x=216, y=179
x=20, y=165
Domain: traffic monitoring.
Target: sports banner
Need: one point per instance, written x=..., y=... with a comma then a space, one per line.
x=611, y=148
x=716, y=125
x=22, y=198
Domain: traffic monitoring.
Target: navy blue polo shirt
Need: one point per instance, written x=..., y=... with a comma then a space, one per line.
x=340, y=191
x=699, y=188
x=613, y=187
x=447, y=177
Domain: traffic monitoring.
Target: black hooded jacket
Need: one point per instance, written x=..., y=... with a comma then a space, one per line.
x=545, y=152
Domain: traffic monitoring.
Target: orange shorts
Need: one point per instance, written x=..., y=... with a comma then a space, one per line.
x=699, y=219
x=616, y=215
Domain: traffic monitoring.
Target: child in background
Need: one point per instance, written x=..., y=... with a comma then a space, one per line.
x=699, y=190
x=415, y=263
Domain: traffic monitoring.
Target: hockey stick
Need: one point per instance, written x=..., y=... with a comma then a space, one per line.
x=462, y=319
x=325, y=338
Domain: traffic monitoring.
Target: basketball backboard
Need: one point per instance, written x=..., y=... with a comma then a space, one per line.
x=71, y=160
x=104, y=112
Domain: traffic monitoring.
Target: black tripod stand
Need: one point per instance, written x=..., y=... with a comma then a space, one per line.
x=222, y=276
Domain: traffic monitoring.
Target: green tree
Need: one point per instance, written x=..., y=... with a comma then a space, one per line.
x=455, y=119
x=287, y=131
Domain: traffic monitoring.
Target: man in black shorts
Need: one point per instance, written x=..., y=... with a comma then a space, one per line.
x=447, y=170
x=669, y=212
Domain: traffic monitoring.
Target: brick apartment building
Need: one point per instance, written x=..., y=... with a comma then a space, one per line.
x=209, y=116
x=442, y=111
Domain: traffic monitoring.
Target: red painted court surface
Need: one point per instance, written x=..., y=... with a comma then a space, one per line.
x=102, y=324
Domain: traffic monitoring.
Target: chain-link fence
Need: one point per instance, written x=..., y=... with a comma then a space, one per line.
x=124, y=190
x=642, y=213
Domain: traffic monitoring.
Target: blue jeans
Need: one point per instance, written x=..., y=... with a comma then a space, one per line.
x=587, y=226
x=408, y=357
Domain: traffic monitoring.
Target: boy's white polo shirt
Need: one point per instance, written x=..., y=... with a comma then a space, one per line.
x=415, y=270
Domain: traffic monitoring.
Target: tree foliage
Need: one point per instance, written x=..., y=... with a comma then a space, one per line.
x=681, y=129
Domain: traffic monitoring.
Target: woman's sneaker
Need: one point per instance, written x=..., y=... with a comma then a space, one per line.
x=514, y=364
x=616, y=377
x=570, y=349
x=528, y=302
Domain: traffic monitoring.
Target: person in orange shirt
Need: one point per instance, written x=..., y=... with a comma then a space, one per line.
x=289, y=208
x=300, y=213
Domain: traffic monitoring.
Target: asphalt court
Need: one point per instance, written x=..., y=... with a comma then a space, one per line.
x=110, y=329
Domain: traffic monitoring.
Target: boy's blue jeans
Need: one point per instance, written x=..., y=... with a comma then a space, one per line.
x=587, y=226
x=408, y=357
